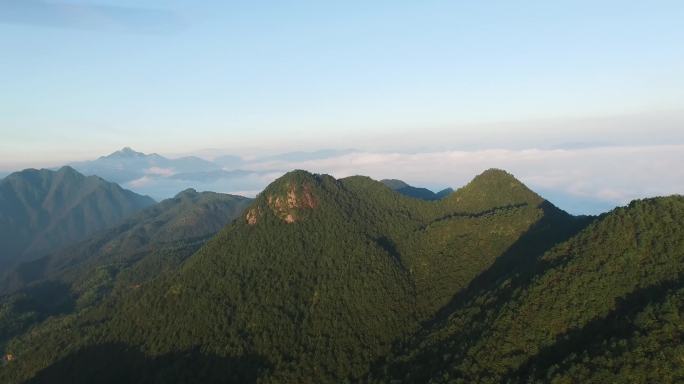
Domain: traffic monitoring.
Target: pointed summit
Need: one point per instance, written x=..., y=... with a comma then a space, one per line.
x=494, y=188
x=68, y=170
x=125, y=152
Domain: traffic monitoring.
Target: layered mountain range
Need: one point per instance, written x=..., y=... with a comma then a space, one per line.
x=162, y=177
x=351, y=280
x=126, y=165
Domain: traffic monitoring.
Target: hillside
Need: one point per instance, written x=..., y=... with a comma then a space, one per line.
x=155, y=241
x=604, y=306
x=43, y=210
x=189, y=217
x=317, y=281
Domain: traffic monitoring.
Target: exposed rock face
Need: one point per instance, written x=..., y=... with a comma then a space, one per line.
x=251, y=216
x=288, y=206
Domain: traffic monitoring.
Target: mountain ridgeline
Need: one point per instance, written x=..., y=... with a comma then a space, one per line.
x=185, y=221
x=145, y=246
x=127, y=165
x=326, y=280
x=43, y=210
x=417, y=192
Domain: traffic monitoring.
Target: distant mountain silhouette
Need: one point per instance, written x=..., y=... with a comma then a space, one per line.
x=162, y=177
x=127, y=165
x=417, y=192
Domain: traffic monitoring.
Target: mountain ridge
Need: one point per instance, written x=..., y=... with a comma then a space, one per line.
x=324, y=270
x=147, y=245
x=42, y=209
x=332, y=280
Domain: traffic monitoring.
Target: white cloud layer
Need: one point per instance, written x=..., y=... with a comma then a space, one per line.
x=583, y=180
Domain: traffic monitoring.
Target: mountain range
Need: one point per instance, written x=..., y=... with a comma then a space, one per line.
x=41, y=210
x=128, y=165
x=144, y=246
x=348, y=280
x=181, y=223
x=162, y=177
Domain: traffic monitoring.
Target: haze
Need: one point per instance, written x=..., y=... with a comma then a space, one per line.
x=581, y=100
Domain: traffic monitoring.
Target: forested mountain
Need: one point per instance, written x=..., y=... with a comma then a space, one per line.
x=417, y=192
x=43, y=210
x=605, y=306
x=188, y=218
x=325, y=280
x=144, y=246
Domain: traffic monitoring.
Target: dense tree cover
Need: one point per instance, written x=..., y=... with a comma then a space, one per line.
x=42, y=210
x=149, y=244
x=604, y=306
x=325, y=280
x=319, y=279
x=188, y=217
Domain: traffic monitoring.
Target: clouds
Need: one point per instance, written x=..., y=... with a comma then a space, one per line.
x=88, y=16
x=581, y=180
x=243, y=183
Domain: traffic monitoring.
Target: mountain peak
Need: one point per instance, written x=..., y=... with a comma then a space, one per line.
x=68, y=170
x=190, y=192
x=494, y=178
x=494, y=188
x=288, y=197
x=125, y=152
x=70, y=207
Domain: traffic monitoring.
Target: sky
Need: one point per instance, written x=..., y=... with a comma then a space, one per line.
x=80, y=79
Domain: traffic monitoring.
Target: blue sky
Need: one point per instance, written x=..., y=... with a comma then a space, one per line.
x=82, y=78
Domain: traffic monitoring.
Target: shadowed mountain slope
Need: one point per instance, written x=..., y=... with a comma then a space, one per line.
x=603, y=306
x=43, y=210
x=149, y=244
x=189, y=217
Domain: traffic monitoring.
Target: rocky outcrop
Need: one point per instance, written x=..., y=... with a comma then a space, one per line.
x=287, y=206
